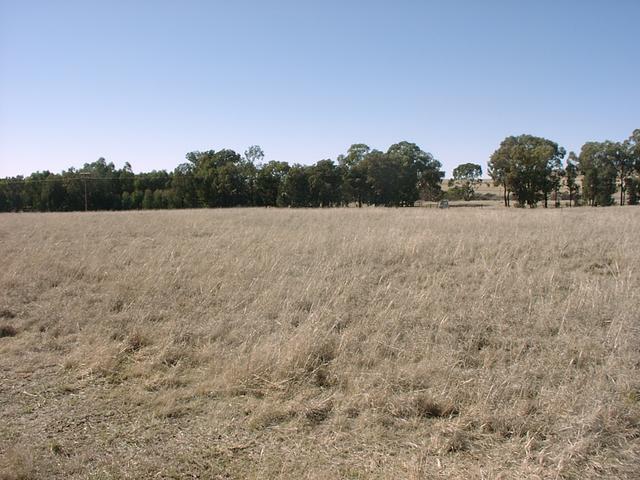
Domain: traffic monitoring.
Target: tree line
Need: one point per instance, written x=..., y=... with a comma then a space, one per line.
x=529, y=169
x=363, y=176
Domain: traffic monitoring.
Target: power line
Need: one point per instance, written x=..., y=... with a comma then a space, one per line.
x=23, y=181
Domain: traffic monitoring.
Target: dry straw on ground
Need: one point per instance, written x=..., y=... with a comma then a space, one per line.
x=372, y=343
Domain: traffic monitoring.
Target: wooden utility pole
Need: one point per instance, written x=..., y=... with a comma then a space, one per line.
x=84, y=176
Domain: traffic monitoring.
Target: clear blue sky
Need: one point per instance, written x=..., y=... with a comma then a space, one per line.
x=148, y=81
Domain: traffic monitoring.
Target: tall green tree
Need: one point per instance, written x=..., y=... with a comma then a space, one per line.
x=382, y=178
x=553, y=184
x=598, y=174
x=125, y=178
x=633, y=180
x=254, y=155
x=500, y=165
x=269, y=183
x=222, y=179
x=633, y=145
x=295, y=187
x=466, y=178
x=354, y=184
x=127, y=202
x=147, y=201
x=102, y=185
x=11, y=197
x=571, y=177
x=528, y=166
x=185, y=187
x=53, y=194
x=619, y=156
x=325, y=184
x=417, y=171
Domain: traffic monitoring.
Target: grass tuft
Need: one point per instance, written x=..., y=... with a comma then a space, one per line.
x=8, y=331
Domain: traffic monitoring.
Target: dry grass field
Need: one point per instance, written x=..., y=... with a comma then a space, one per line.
x=341, y=343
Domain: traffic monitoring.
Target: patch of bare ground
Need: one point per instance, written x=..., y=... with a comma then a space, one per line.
x=355, y=343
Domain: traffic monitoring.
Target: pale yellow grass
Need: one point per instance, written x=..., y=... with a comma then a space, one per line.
x=354, y=343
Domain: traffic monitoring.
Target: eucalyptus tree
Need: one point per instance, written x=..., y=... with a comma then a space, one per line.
x=185, y=186
x=223, y=178
x=632, y=182
x=465, y=178
x=500, y=165
x=382, y=179
x=619, y=156
x=633, y=145
x=528, y=166
x=269, y=182
x=325, y=184
x=418, y=171
x=254, y=154
x=571, y=177
x=598, y=174
x=354, y=183
x=295, y=187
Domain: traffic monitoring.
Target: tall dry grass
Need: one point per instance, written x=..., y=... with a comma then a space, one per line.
x=373, y=343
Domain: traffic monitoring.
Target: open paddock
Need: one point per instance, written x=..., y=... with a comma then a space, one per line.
x=337, y=343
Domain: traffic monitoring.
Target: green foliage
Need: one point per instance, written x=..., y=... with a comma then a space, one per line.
x=357, y=188
x=454, y=192
x=382, y=179
x=598, y=174
x=500, y=165
x=127, y=201
x=295, y=189
x=325, y=184
x=607, y=166
x=465, y=179
x=184, y=186
x=269, y=183
x=396, y=178
x=419, y=172
x=147, y=201
x=571, y=177
x=633, y=146
x=254, y=155
x=528, y=166
x=222, y=179
x=354, y=174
